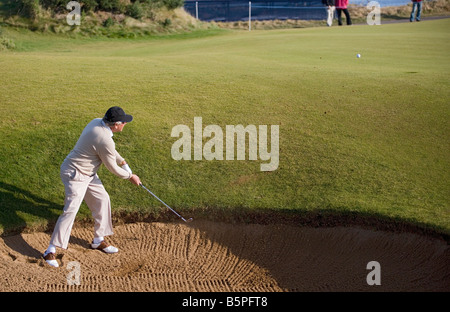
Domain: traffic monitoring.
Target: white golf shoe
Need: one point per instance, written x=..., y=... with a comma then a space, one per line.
x=105, y=247
x=50, y=258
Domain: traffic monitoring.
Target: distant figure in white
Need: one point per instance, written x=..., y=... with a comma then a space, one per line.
x=330, y=10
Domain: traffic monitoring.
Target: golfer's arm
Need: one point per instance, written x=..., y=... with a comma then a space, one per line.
x=108, y=155
x=119, y=159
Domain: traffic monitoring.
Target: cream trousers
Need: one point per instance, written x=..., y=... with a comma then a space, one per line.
x=79, y=187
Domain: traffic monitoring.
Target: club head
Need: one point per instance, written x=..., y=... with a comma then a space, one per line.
x=188, y=220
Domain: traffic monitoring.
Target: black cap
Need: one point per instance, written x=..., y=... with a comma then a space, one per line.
x=115, y=113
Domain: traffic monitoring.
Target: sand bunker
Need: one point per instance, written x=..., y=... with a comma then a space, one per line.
x=209, y=256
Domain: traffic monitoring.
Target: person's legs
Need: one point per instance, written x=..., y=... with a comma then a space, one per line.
x=347, y=17
x=330, y=11
x=413, y=11
x=98, y=201
x=339, y=16
x=75, y=186
x=419, y=10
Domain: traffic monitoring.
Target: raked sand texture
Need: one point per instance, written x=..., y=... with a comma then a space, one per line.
x=208, y=256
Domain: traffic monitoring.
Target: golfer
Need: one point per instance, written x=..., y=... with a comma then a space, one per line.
x=81, y=182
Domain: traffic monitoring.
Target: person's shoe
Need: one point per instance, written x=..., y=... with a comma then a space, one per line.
x=105, y=247
x=50, y=258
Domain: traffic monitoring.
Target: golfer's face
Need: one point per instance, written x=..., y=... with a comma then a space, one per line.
x=119, y=128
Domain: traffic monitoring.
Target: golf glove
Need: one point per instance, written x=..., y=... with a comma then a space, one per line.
x=127, y=168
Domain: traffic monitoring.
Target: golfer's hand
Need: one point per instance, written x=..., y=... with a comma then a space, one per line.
x=135, y=180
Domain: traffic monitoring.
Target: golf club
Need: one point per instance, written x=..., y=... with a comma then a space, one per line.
x=187, y=221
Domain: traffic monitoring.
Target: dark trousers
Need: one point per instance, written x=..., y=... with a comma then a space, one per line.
x=347, y=16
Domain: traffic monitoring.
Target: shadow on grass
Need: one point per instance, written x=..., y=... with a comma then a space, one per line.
x=19, y=209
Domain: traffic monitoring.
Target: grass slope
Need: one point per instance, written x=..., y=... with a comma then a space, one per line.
x=366, y=136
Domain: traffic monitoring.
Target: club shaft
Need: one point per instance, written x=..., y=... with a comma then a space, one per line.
x=163, y=202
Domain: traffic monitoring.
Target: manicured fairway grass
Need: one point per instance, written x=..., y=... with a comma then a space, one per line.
x=367, y=135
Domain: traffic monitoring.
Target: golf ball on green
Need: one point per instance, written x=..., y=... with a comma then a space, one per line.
x=358, y=55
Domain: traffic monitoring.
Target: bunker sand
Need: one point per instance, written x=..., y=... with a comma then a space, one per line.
x=211, y=256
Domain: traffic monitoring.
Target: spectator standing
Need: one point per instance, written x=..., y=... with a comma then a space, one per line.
x=341, y=6
x=417, y=7
x=330, y=10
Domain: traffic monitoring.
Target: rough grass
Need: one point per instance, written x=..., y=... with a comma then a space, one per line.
x=107, y=24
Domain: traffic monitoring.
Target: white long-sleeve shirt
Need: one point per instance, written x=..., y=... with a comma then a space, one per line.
x=95, y=147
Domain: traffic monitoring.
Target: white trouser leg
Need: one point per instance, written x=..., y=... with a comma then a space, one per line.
x=75, y=186
x=99, y=203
